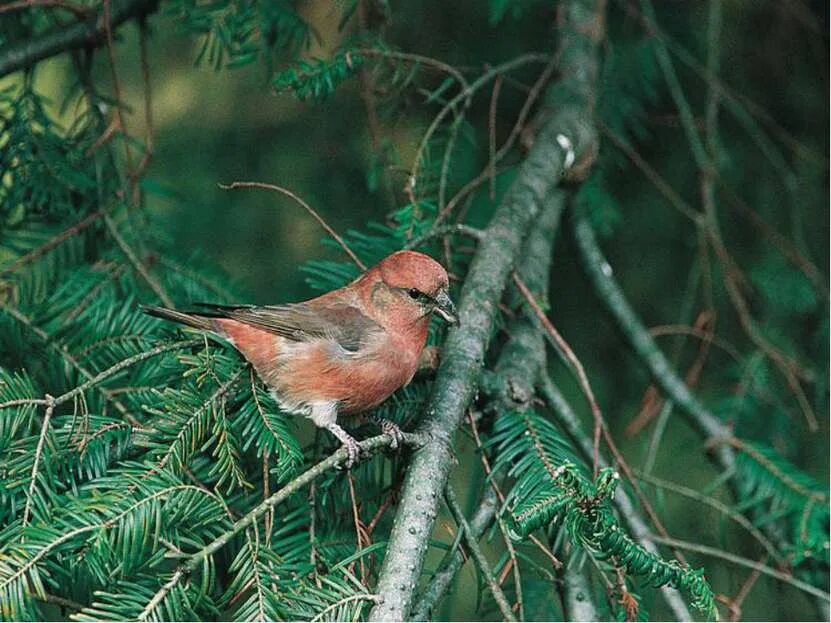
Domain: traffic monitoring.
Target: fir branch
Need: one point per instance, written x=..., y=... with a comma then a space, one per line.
x=333, y=461
x=490, y=269
x=192, y=428
x=629, y=512
x=72, y=361
x=12, y=579
x=700, y=417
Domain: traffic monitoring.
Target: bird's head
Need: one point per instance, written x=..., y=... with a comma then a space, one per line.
x=408, y=286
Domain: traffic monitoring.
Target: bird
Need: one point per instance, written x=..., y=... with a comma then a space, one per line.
x=342, y=353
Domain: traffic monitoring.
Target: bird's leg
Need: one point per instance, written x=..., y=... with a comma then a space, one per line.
x=325, y=414
x=388, y=427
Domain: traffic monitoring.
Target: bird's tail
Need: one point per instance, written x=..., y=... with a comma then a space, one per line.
x=198, y=321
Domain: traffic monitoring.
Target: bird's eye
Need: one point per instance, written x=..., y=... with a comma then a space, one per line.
x=414, y=293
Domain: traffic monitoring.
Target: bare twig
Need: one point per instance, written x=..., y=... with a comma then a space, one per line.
x=479, y=557
x=307, y=207
x=714, y=552
x=563, y=347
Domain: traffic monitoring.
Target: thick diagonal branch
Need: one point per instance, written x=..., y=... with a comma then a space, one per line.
x=519, y=364
x=566, y=134
x=88, y=32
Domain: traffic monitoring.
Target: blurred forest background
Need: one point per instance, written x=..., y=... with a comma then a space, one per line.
x=214, y=123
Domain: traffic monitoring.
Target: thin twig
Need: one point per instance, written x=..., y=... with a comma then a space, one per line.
x=148, y=111
x=478, y=556
x=465, y=95
x=497, y=87
x=516, y=131
x=307, y=207
x=743, y=562
x=735, y=605
x=44, y=429
x=717, y=505
x=107, y=21
x=573, y=360
x=445, y=230
x=359, y=531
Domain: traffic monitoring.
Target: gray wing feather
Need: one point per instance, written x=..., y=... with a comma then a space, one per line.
x=301, y=322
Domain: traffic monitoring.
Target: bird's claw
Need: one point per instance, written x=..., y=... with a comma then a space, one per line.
x=392, y=429
x=353, y=453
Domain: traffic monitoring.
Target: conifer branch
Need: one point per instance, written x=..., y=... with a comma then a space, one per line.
x=334, y=460
x=103, y=375
x=68, y=358
x=629, y=512
x=708, y=425
x=84, y=33
x=567, y=135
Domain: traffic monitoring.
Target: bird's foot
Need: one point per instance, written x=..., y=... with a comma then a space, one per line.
x=353, y=448
x=388, y=427
x=353, y=452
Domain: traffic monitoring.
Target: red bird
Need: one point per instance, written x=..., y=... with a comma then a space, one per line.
x=341, y=353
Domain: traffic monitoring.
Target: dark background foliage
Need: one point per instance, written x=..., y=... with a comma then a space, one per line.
x=216, y=120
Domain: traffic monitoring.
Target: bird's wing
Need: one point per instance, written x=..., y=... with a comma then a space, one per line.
x=301, y=322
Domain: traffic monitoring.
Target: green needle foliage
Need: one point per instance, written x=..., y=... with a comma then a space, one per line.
x=146, y=473
x=552, y=490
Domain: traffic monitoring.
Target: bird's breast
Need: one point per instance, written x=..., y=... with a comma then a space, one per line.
x=321, y=370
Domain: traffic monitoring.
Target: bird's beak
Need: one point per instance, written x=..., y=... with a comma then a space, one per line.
x=446, y=308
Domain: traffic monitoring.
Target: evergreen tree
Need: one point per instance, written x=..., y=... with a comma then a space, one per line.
x=147, y=474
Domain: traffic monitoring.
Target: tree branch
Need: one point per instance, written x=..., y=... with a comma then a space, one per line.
x=566, y=135
x=332, y=461
x=453, y=560
x=577, y=596
x=518, y=364
x=601, y=276
x=89, y=32
x=628, y=511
